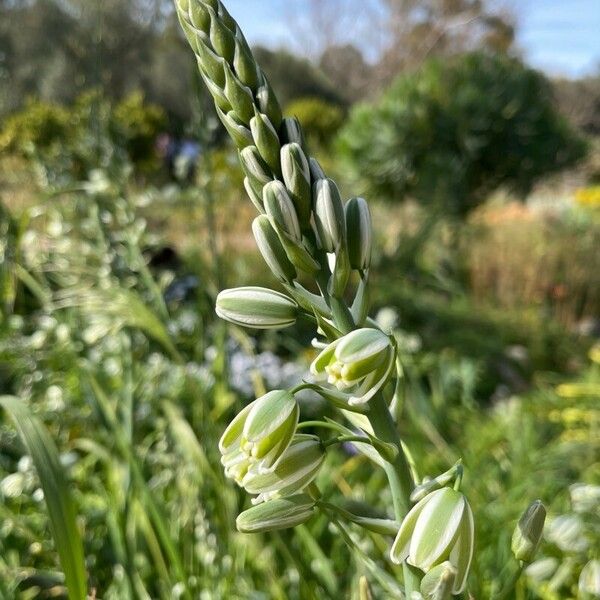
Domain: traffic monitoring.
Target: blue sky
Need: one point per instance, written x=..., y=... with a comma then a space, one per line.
x=561, y=37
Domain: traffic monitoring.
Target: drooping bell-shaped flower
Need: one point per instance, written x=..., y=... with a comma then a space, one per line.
x=296, y=468
x=260, y=433
x=357, y=365
x=439, y=528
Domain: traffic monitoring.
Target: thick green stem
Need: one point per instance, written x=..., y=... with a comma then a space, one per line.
x=509, y=589
x=398, y=472
x=399, y=477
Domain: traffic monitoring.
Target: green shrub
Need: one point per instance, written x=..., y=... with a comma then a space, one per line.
x=457, y=130
x=67, y=142
x=138, y=124
x=38, y=126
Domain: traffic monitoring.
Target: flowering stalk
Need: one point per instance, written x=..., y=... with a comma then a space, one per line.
x=305, y=228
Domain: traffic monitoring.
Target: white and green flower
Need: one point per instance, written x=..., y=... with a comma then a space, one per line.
x=297, y=467
x=256, y=308
x=437, y=529
x=357, y=365
x=260, y=433
x=281, y=513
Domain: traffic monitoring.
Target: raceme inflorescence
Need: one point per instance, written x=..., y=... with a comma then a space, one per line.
x=305, y=231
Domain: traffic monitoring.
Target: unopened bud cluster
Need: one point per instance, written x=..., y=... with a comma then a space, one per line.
x=301, y=204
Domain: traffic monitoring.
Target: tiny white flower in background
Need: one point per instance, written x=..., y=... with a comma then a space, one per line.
x=589, y=580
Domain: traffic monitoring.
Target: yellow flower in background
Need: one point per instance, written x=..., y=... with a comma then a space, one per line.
x=588, y=196
x=578, y=390
x=594, y=354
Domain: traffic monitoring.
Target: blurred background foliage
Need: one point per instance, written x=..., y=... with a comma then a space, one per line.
x=122, y=215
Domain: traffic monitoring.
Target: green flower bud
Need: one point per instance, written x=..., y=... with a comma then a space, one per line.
x=271, y=249
x=244, y=65
x=276, y=514
x=224, y=15
x=235, y=461
x=339, y=280
x=255, y=168
x=280, y=208
x=316, y=172
x=266, y=140
x=199, y=16
x=589, y=579
x=191, y=34
x=256, y=200
x=329, y=215
x=439, y=528
x=257, y=308
x=291, y=132
x=262, y=431
x=214, y=4
x=221, y=101
x=295, y=469
x=267, y=102
x=439, y=582
x=358, y=364
x=239, y=133
x=296, y=176
x=239, y=96
x=359, y=233
x=299, y=256
x=270, y=427
x=212, y=65
x=221, y=37
x=528, y=532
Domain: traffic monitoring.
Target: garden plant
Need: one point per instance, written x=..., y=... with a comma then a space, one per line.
x=319, y=248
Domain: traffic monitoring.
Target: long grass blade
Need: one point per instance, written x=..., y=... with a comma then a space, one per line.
x=60, y=505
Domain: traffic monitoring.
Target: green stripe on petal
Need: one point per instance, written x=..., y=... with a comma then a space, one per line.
x=437, y=528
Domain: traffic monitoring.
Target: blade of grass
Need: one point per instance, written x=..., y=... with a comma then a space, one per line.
x=60, y=506
x=155, y=514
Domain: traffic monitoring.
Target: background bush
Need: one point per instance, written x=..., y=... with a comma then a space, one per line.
x=453, y=132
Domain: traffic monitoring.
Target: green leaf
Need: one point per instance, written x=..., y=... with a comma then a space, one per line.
x=60, y=506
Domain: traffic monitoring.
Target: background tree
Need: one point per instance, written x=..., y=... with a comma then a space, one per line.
x=420, y=29
x=451, y=133
x=579, y=101
x=53, y=50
